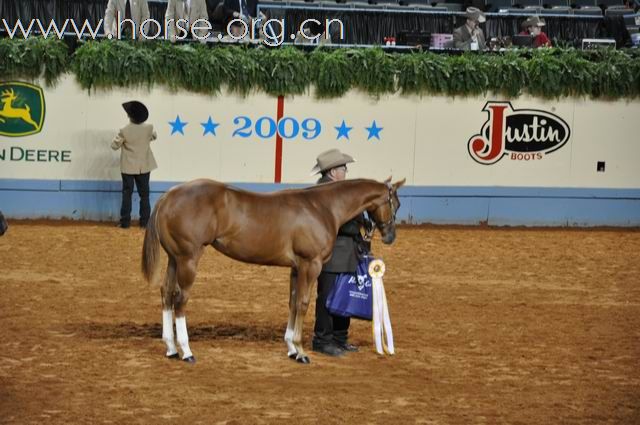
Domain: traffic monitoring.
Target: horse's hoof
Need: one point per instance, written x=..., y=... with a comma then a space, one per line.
x=303, y=360
x=293, y=356
x=190, y=360
x=174, y=357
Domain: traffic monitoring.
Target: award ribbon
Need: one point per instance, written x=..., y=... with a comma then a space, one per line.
x=382, y=333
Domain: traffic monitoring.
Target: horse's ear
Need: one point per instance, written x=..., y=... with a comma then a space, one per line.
x=388, y=180
x=397, y=185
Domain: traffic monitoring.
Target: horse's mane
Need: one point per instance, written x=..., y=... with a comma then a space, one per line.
x=322, y=187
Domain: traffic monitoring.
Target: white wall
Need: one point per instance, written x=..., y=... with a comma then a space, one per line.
x=423, y=139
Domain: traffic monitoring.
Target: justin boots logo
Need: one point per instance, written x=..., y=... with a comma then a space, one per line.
x=519, y=134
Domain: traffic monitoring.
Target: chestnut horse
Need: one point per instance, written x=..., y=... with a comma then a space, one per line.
x=294, y=228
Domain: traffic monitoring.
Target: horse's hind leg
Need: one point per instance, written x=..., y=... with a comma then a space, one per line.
x=167, y=292
x=288, y=336
x=186, y=274
x=307, y=276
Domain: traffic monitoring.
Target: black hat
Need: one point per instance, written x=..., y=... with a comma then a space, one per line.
x=136, y=111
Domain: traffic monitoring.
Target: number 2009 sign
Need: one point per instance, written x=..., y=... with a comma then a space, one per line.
x=287, y=127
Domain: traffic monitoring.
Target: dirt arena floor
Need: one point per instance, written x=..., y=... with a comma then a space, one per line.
x=491, y=326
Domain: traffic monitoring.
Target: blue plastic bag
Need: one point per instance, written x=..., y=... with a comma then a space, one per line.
x=351, y=295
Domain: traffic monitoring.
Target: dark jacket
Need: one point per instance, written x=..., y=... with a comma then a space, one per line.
x=344, y=258
x=462, y=38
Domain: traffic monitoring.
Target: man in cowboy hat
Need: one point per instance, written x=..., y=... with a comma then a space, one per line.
x=136, y=161
x=533, y=26
x=119, y=10
x=470, y=36
x=330, y=331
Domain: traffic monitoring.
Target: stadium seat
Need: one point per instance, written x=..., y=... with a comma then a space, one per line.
x=525, y=3
x=609, y=3
x=588, y=11
x=334, y=5
x=557, y=10
x=451, y=7
x=387, y=2
x=618, y=11
x=584, y=3
x=554, y=3
x=497, y=5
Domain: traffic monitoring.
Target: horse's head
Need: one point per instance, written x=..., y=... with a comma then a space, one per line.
x=384, y=211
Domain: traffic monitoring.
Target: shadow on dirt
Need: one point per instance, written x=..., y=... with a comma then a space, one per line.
x=197, y=332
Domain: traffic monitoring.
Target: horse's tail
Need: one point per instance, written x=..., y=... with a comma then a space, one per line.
x=151, y=247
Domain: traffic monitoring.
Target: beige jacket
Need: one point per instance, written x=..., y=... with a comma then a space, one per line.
x=177, y=9
x=139, y=13
x=136, y=156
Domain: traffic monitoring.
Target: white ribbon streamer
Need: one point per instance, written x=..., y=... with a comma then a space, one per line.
x=381, y=323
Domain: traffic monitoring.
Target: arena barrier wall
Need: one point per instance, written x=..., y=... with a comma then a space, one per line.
x=472, y=160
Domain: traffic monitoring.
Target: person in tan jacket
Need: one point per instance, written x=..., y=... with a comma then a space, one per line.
x=181, y=15
x=118, y=10
x=136, y=161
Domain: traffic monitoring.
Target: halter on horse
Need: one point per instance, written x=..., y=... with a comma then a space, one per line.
x=293, y=228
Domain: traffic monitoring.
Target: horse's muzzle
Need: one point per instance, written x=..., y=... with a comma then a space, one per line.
x=389, y=238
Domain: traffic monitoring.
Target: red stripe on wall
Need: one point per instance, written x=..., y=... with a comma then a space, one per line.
x=278, y=173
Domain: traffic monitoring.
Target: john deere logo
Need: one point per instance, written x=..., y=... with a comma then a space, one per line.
x=21, y=109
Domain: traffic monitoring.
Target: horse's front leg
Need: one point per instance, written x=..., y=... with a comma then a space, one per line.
x=307, y=276
x=288, y=336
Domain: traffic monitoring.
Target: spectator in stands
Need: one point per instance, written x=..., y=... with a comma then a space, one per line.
x=234, y=10
x=118, y=10
x=136, y=161
x=311, y=30
x=212, y=6
x=187, y=10
x=532, y=26
x=470, y=36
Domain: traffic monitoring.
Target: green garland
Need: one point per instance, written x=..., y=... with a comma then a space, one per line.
x=33, y=58
x=545, y=73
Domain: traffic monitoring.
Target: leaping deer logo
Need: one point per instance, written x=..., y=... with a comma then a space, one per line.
x=8, y=111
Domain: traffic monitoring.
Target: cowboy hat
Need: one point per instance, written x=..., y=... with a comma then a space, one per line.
x=136, y=111
x=331, y=159
x=475, y=14
x=533, y=21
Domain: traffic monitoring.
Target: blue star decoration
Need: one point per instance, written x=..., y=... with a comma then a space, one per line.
x=374, y=131
x=209, y=127
x=343, y=131
x=177, y=126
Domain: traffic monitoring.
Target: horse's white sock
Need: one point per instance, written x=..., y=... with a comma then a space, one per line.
x=167, y=332
x=183, y=336
x=288, y=338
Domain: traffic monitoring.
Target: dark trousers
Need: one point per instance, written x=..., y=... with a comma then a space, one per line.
x=142, y=184
x=329, y=328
